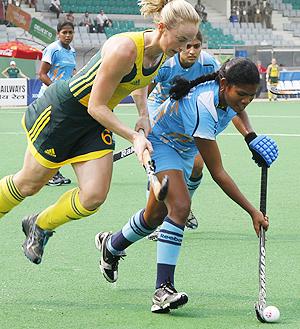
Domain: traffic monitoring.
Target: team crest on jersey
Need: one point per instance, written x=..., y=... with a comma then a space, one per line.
x=50, y=152
x=136, y=82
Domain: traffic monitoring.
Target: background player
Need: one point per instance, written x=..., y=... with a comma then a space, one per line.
x=58, y=63
x=13, y=71
x=189, y=64
x=272, y=77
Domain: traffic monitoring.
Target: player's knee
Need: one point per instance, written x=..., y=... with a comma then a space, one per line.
x=180, y=210
x=92, y=199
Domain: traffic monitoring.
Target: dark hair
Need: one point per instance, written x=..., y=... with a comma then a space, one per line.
x=237, y=71
x=61, y=25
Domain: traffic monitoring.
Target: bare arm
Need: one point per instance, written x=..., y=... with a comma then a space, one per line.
x=43, y=76
x=4, y=72
x=23, y=75
x=212, y=158
x=140, y=98
x=108, y=77
x=151, y=87
x=242, y=123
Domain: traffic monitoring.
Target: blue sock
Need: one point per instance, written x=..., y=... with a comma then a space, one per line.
x=168, y=247
x=193, y=183
x=134, y=230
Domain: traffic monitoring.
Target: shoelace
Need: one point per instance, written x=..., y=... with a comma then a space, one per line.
x=169, y=287
x=116, y=259
x=41, y=237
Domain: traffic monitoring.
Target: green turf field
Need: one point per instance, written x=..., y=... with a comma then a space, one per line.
x=218, y=264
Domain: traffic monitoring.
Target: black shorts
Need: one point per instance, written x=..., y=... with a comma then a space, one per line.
x=60, y=130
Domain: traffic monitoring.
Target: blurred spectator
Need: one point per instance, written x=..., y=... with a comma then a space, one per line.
x=268, y=15
x=262, y=73
x=13, y=71
x=250, y=12
x=70, y=17
x=102, y=21
x=30, y=3
x=272, y=77
x=263, y=12
x=235, y=13
x=56, y=7
x=257, y=12
x=243, y=13
x=88, y=22
x=200, y=9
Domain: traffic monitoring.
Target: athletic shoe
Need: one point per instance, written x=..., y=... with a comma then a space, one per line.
x=55, y=181
x=191, y=222
x=166, y=297
x=108, y=262
x=36, y=239
x=58, y=179
x=154, y=235
x=65, y=180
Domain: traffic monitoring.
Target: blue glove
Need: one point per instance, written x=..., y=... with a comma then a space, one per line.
x=263, y=148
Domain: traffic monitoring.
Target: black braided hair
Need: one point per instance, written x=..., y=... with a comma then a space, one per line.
x=237, y=71
x=182, y=86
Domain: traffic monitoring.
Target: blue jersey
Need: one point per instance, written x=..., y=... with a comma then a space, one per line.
x=62, y=61
x=172, y=68
x=176, y=123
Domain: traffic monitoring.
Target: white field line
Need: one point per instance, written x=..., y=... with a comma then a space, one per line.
x=222, y=134
x=135, y=114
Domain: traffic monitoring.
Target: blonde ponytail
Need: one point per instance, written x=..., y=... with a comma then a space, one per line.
x=170, y=12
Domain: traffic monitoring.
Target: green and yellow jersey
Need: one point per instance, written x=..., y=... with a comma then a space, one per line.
x=273, y=73
x=59, y=128
x=81, y=84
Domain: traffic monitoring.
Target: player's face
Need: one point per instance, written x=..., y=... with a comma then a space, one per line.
x=239, y=96
x=190, y=54
x=65, y=35
x=174, y=40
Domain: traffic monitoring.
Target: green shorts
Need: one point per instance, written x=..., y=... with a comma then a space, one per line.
x=60, y=130
x=273, y=80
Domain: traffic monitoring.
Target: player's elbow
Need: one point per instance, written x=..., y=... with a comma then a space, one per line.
x=218, y=175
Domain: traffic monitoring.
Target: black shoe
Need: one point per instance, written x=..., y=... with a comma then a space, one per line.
x=108, y=262
x=36, y=239
x=166, y=297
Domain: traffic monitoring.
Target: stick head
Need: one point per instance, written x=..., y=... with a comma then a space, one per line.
x=164, y=189
x=259, y=313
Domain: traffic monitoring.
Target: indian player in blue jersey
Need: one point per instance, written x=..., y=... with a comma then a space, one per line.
x=58, y=63
x=59, y=58
x=188, y=123
x=190, y=63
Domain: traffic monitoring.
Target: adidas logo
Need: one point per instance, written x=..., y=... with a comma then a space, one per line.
x=136, y=82
x=50, y=152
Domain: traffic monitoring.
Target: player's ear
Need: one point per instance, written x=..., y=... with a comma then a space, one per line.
x=223, y=84
x=161, y=27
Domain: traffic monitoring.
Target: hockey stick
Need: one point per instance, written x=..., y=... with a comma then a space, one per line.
x=282, y=92
x=261, y=304
x=160, y=189
x=123, y=153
